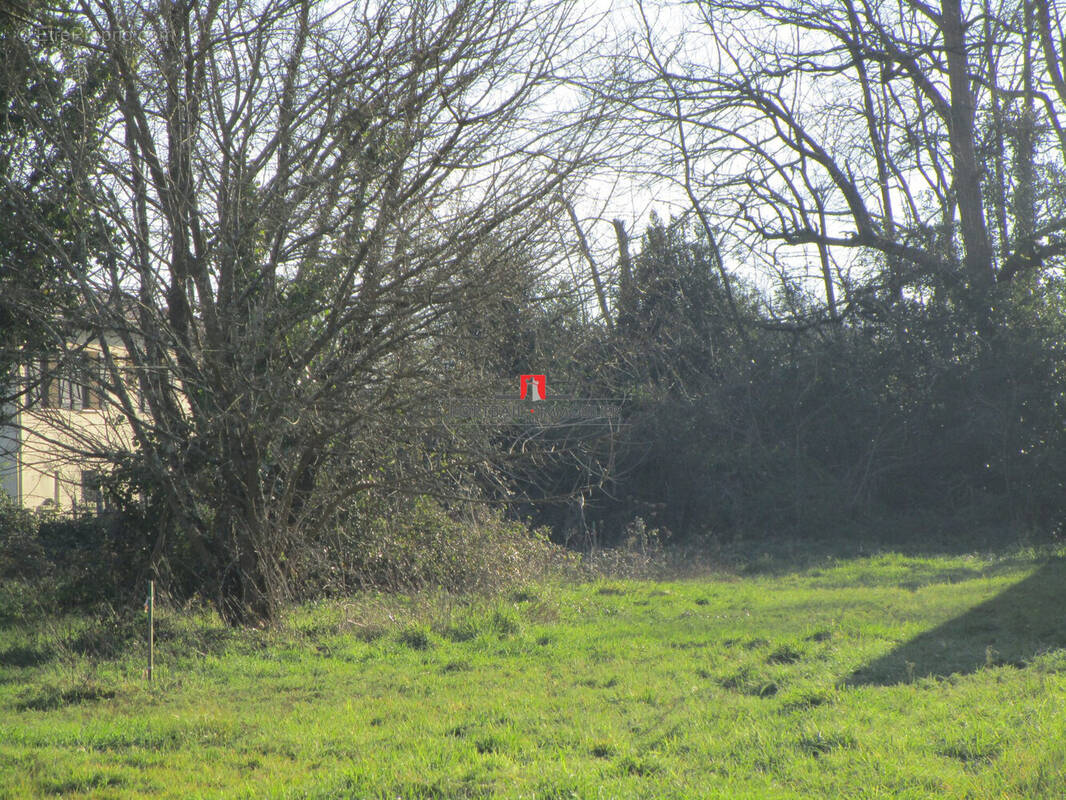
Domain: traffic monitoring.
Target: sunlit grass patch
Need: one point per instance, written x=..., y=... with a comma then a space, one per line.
x=845, y=683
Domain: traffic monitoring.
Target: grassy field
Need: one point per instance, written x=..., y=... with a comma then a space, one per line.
x=888, y=677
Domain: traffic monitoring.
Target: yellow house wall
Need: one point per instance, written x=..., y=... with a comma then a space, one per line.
x=51, y=469
x=40, y=465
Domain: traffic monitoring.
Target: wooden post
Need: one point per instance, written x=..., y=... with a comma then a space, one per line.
x=151, y=629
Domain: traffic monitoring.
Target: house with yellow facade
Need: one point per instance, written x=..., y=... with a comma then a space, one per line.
x=57, y=428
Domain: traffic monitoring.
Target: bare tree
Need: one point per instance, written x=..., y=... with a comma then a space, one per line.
x=819, y=132
x=298, y=196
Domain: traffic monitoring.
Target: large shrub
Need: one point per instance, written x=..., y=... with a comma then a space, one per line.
x=21, y=553
x=419, y=544
x=70, y=562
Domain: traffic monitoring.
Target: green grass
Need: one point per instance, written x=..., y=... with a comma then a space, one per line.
x=888, y=677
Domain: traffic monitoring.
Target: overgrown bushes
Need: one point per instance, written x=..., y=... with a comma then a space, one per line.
x=66, y=563
x=744, y=425
x=421, y=544
x=21, y=552
x=848, y=427
x=52, y=563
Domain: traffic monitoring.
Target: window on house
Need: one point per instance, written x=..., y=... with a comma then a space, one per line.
x=93, y=380
x=55, y=386
x=76, y=385
x=67, y=389
x=40, y=383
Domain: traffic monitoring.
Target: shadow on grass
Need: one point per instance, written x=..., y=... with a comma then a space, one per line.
x=21, y=657
x=1017, y=624
x=774, y=556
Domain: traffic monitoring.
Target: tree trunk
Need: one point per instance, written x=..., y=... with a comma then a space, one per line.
x=978, y=257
